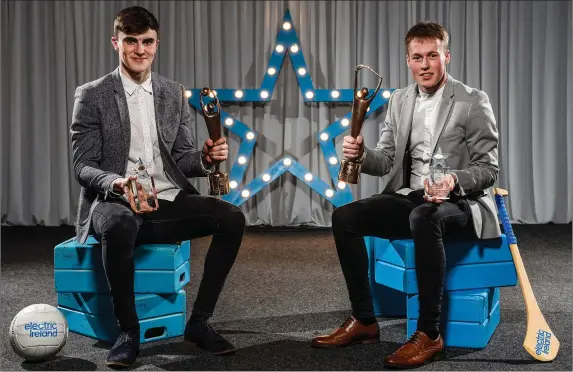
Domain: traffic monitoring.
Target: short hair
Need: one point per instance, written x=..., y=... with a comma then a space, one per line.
x=428, y=31
x=135, y=20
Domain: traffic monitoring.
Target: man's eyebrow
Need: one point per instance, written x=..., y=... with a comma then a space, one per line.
x=131, y=38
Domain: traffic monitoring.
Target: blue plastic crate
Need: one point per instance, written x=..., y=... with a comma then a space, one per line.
x=469, y=265
x=105, y=328
x=465, y=334
x=480, y=251
x=146, y=281
x=459, y=277
x=386, y=301
x=147, y=305
x=74, y=256
x=472, y=305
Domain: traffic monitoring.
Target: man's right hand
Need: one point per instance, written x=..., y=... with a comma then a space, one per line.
x=121, y=185
x=353, y=148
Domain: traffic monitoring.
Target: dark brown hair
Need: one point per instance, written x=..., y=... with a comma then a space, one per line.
x=135, y=20
x=428, y=31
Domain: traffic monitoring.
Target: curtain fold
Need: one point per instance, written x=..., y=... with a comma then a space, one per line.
x=518, y=52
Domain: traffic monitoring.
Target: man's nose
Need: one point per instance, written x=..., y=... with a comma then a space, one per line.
x=140, y=49
x=425, y=63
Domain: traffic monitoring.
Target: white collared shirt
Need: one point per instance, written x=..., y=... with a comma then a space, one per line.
x=423, y=130
x=144, y=140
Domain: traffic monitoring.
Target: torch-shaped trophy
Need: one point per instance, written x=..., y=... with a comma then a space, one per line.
x=218, y=181
x=349, y=171
x=437, y=188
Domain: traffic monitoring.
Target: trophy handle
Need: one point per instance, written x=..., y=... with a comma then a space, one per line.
x=212, y=118
x=380, y=78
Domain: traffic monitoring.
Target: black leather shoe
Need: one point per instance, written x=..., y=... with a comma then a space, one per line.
x=199, y=332
x=125, y=350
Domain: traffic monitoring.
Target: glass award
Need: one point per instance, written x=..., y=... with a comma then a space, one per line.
x=437, y=186
x=147, y=187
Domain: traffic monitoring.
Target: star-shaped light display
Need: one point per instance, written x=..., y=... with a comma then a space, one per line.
x=287, y=42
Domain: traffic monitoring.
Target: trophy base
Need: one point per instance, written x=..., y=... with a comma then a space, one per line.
x=219, y=183
x=349, y=171
x=439, y=197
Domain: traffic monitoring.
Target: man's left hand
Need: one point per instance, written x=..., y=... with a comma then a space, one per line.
x=449, y=179
x=215, y=152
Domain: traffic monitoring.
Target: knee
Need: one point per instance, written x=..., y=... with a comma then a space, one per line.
x=342, y=216
x=423, y=220
x=234, y=220
x=120, y=225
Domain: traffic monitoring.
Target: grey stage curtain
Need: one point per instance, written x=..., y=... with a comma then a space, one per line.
x=518, y=52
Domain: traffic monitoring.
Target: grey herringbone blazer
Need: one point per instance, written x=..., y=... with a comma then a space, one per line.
x=465, y=128
x=101, y=131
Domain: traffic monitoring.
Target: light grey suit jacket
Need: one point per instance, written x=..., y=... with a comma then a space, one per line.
x=465, y=128
x=101, y=135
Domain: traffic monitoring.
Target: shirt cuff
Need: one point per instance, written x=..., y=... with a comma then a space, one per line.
x=210, y=169
x=110, y=191
x=361, y=159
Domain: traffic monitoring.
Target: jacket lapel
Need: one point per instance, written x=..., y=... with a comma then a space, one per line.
x=405, y=124
x=159, y=105
x=123, y=110
x=443, y=112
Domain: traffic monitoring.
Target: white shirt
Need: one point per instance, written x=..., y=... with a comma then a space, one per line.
x=144, y=140
x=423, y=130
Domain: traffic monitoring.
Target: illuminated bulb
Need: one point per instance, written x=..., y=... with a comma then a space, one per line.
x=242, y=160
x=286, y=26
x=245, y=193
x=250, y=135
x=324, y=136
x=308, y=177
x=187, y=93
x=302, y=71
x=335, y=94
x=333, y=160
x=287, y=162
x=386, y=94
x=309, y=95
x=228, y=122
x=345, y=122
x=271, y=71
x=266, y=177
x=341, y=185
x=264, y=94
x=329, y=193
x=233, y=184
x=294, y=48
x=239, y=94
x=279, y=48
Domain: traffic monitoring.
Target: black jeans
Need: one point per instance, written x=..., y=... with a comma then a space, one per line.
x=394, y=216
x=189, y=216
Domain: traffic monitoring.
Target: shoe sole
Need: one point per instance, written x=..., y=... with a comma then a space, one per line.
x=120, y=364
x=229, y=351
x=440, y=355
x=369, y=341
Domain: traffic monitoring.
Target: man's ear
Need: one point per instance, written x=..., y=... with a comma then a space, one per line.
x=114, y=42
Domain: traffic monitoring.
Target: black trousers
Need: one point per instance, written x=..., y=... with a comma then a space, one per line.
x=189, y=216
x=394, y=216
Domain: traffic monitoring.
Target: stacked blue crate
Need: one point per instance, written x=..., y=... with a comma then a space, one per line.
x=474, y=272
x=161, y=272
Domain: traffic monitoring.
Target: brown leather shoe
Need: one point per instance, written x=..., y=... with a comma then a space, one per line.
x=419, y=350
x=351, y=332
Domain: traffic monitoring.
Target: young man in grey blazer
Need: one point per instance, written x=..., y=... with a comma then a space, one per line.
x=435, y=112
x=131, y=114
